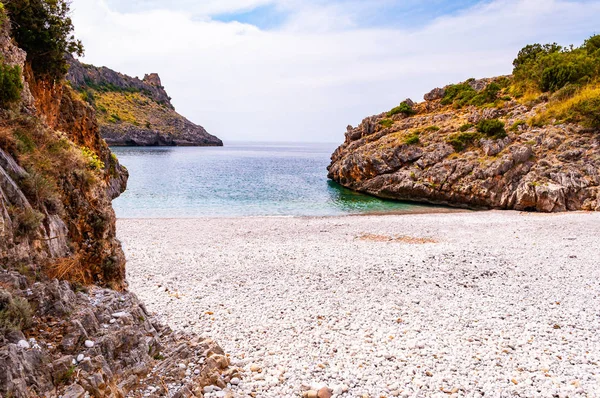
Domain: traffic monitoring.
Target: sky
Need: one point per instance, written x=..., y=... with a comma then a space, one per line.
x=302, y=70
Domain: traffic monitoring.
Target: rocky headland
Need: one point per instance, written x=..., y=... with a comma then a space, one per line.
x=134, y=112
x=68, y=325
x=515, y=142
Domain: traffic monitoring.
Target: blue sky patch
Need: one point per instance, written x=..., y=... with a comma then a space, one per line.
x=265, y=17
x=363, y=13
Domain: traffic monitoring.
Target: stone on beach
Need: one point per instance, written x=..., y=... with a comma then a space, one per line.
x=311, y=305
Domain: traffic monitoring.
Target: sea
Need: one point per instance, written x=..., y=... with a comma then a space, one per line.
x=239, y=180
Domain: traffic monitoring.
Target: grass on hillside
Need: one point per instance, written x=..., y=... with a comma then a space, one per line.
x=583, y=108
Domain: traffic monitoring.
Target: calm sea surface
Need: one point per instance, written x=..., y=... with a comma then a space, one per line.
x=240, y=179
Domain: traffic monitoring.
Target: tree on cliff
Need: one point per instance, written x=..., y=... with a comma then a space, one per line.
x=44, y=29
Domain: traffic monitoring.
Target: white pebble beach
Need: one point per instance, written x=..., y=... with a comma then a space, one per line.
x=459, y=304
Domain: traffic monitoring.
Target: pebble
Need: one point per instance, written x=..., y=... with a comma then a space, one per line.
x=89, y=343
x=311, y=304
x=23, y=344
x=80, y=357
x=255, y=368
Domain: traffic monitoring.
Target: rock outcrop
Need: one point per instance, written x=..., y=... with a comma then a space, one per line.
x=102, y=343
x=68, y=326
x=135, y=112
x=436, y=154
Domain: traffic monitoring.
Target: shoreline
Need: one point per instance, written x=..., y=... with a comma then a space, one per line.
x=450, y=211
x=388, y=306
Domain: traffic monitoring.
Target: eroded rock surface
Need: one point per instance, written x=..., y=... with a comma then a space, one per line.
x=549, y=169
x=103, y=343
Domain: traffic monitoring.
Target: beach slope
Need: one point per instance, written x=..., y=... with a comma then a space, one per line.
x=459, y=303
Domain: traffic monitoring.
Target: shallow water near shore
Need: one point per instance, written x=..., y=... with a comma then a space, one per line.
x=240, y=179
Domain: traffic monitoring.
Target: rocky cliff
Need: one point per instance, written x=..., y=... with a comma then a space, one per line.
x=68, y=327
x=481, y=144
x=131, y=111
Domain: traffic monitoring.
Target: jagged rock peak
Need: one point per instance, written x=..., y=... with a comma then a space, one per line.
x=153, y=79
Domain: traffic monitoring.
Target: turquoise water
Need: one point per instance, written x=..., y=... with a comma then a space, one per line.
x=240, y=179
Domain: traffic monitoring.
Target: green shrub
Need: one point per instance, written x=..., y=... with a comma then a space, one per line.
x=517, y=124
x=15, y=313
x=489, y=95
x=492, y=128
x=531, y=53
x=431, y=129
x=556, y=77
x=503, y=82
x=44, y=29
x=465, y=127
x=88, y=96
x=10, y=84
x=588, y=112
x=463, y=94
x=385, y=123
x=403, y=108
x=592, y=45
x=460, y=141
x=412, y=139
x=458, y=94
x=550, y=67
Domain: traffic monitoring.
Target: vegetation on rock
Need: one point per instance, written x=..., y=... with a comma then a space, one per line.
x=404, y=108
x=526, y=141
x=462, y=140
x=10, y=84
x=570, y=76
x=15, y=312
x=492, y=128
x=44, y=30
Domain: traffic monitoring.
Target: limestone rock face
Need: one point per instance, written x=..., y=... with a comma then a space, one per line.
x=135, y=112
x=120, y=351
x=552, y=168
x=153, y=79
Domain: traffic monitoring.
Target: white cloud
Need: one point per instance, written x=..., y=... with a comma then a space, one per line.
x=205, y=7
x=310, y=78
